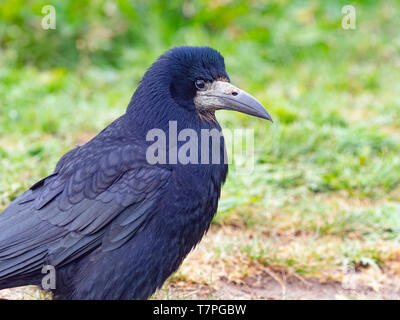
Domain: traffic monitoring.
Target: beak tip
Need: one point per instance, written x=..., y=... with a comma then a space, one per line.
x=268, y=117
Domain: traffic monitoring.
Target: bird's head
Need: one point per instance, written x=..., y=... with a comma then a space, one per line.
x=196, y=79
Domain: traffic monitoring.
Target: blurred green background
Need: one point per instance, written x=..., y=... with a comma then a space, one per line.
x=329, y=165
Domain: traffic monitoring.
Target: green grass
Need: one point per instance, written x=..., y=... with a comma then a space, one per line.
x=327, y=171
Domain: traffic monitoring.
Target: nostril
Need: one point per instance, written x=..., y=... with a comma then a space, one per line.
x=234, y=93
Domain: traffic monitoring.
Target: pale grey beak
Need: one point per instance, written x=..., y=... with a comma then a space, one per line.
x=223, y=95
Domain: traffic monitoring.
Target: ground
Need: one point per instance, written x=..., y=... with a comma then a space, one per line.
x=318, y=215
x=206, y=274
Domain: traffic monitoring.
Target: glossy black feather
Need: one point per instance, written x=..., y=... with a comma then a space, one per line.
x=114, y=226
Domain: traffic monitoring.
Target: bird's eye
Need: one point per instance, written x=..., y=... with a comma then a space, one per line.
x=200, y=84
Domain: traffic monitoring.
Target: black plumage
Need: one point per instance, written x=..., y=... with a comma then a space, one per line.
x=113, y=225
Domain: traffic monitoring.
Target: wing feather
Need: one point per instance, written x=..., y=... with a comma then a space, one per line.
x=91, y=200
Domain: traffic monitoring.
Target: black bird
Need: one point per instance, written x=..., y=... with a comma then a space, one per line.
x=112, y=223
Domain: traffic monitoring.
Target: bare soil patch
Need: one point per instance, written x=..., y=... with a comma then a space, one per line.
x=266, y=287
